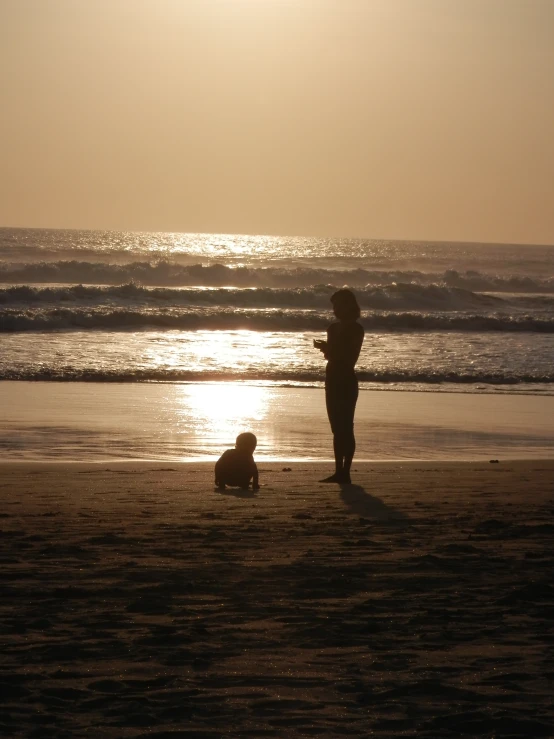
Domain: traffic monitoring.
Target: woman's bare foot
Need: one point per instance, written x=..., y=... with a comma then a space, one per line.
x=337, y=477
x=341, y=478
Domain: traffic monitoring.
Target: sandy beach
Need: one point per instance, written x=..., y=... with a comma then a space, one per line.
x=137, y=601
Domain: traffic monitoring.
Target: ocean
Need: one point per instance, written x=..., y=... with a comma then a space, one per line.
x=198, y=310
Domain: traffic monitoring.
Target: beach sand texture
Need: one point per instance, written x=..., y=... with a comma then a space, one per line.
x=139, y=602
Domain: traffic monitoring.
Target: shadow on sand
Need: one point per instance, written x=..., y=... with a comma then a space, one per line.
x=363, y=504
x=237, y=492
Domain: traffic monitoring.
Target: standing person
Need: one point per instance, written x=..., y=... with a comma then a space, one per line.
x=341, y=350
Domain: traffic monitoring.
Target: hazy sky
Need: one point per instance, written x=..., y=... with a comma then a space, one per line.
x=413, y=119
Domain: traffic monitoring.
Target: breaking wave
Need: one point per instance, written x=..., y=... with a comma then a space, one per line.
x=171, y=274
x=398, y=296
x=307, y=377
x=198, y=318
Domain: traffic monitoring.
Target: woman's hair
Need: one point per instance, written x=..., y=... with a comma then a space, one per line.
x=345, y=304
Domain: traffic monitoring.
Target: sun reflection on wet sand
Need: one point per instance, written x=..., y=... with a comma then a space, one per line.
x=217, y=413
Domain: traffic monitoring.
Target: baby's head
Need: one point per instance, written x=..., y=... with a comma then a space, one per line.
x=246, y=442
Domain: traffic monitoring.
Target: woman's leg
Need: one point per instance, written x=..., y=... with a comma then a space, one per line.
x=349, y=440
x=338, y=449
x=333, y=404
x=341, y=404
x=349, y=449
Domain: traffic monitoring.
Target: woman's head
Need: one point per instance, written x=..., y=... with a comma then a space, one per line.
x=345, y=305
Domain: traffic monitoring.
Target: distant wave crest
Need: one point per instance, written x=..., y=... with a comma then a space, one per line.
x=171, y=274
x=167, y=318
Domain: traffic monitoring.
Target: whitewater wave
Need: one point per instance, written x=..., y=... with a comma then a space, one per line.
x=307, y=377
x=193, y=319
x=171, y=274
x=398, y=296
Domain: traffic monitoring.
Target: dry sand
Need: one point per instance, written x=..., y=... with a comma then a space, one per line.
x=139, y=602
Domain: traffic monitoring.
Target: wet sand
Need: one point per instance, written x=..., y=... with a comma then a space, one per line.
x=97, y=422
x=137, y=601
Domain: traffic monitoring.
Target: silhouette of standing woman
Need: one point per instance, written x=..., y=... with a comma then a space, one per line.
x=341, y=350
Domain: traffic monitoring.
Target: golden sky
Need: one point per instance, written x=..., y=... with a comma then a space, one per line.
x=408, y=119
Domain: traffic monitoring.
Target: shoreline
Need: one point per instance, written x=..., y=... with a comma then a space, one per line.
x=205, y=465
x=546, y=390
